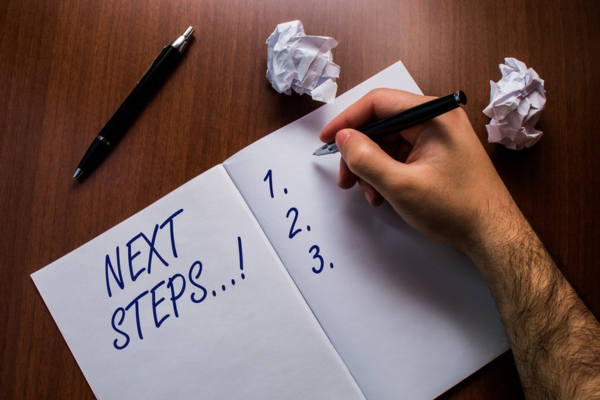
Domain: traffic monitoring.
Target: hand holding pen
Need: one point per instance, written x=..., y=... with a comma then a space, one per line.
x=437, y=175
x=404, y=119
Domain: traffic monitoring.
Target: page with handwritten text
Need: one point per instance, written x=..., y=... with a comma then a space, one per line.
x=409, y=316
x=187, y=300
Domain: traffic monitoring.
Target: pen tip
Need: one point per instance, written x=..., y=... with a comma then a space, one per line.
x=78, y=173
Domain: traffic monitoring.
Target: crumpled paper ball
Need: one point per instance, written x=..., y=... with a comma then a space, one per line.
x=516, y=103
x=301, y=63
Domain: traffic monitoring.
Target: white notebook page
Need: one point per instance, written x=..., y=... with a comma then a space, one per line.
x=409, y=316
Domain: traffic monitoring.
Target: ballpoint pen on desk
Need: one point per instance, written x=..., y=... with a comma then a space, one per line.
x=405, y=119
x=156, y=74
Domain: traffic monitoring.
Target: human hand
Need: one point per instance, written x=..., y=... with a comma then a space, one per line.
x=437, y=175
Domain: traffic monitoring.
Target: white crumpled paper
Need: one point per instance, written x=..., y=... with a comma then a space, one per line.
x=300, y=62
x=516, y=103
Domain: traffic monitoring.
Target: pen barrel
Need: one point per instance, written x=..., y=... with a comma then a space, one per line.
x=412, y=117
x=118, y=123
x=156, y=74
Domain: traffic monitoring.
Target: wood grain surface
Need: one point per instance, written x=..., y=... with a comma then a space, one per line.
x=65, y=66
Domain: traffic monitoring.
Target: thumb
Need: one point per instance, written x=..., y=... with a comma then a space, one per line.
x=368, y=161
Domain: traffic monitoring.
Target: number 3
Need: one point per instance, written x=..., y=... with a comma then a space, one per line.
x=317, y=256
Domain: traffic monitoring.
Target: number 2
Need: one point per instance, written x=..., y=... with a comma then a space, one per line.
x=292, y=231
x=317, y=256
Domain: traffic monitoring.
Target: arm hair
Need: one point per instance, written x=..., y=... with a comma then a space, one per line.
x=555, y=338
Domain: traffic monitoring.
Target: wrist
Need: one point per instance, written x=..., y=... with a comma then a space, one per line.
x=501, y=229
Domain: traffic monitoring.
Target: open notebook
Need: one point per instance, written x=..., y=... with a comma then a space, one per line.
x=260, y=279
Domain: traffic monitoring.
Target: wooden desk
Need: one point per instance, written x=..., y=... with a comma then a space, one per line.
x=65, y=66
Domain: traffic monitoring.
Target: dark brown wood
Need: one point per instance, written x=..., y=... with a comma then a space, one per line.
x=65, y=66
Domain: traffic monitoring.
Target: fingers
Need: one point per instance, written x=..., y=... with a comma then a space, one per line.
x=371, y=194
x=377, y=104
x=365, y=162
x=348, y=179
x=441, y=182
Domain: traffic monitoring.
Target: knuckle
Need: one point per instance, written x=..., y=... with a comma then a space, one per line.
x=377, y=92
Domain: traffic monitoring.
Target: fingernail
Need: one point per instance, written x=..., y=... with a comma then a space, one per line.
x=369, y=195
x=341, y=137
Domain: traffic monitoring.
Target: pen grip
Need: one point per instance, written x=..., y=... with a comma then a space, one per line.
x=143, y=91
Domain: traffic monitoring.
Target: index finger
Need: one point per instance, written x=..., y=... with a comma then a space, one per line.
x=375, y=105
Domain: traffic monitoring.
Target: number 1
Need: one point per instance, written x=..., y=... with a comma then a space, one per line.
x=269, y=176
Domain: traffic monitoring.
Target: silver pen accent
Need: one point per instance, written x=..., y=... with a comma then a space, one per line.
x=182, y=41
x=103, y=140
x=330, y=148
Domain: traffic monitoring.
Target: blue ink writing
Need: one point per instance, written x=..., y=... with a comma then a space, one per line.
x=120, y=310
x=241, y=255
x=155, y=304
x=175, y=297
x=294, y=214
x=149, y=245
x=153, y=249
x=130, y=258
x=193, y=278
x=171, y=229
x=292, y=231
x=118, y=278
x=172, y=288
x=269, y=177
x=317, y=256
x=135, y=303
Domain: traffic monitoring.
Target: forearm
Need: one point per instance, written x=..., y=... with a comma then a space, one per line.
x=447, y=188
x=554, y=337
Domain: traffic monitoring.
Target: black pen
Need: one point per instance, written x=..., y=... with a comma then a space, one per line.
x=156, y=74
x=405, y=119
